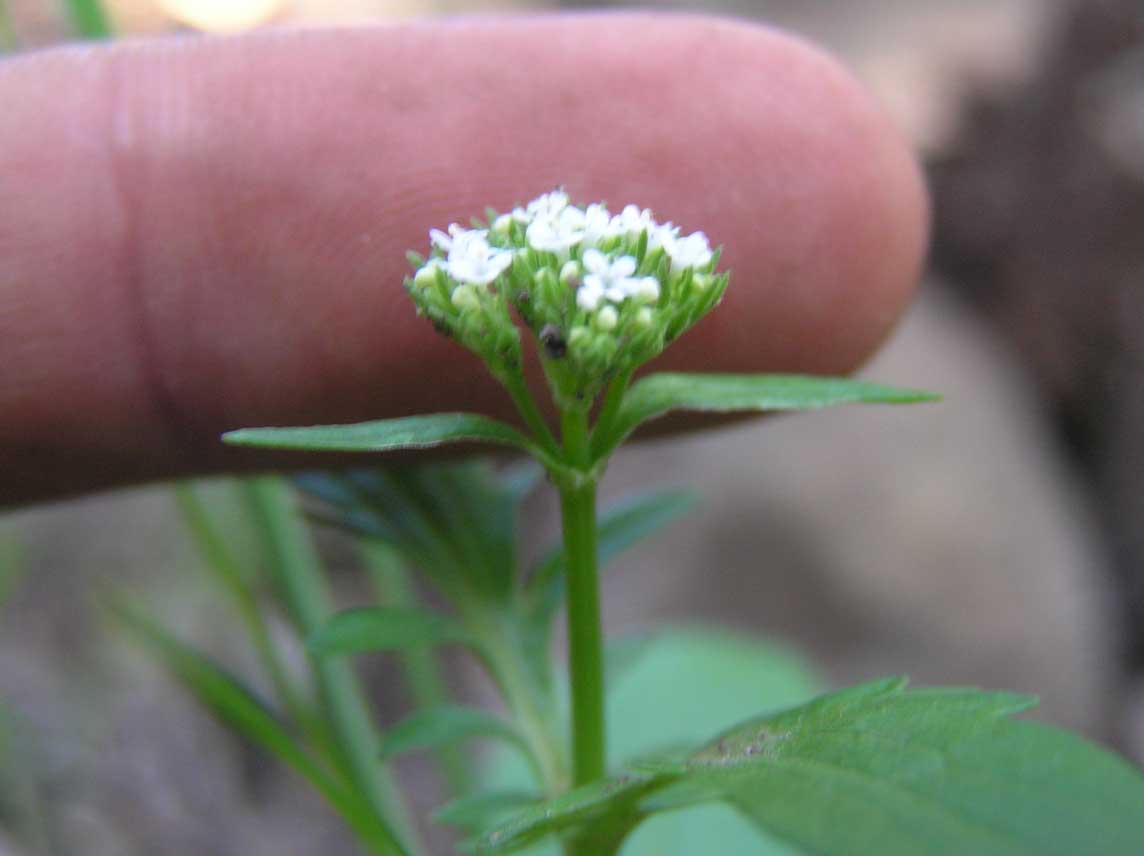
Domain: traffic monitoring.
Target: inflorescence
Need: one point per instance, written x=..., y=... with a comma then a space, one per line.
x=601, y=293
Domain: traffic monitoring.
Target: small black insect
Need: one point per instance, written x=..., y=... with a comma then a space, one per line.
x=553, y=341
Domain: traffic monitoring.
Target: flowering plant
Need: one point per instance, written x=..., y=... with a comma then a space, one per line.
x=875, y=768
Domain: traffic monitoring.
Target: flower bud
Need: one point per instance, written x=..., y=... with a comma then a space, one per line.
x=426, y=277
x=570, y=273
x=607, y=319
x=465, y=297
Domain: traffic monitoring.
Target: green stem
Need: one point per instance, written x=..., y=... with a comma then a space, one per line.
x=585, y=631
x=522, y=398
x=421, y=666
x=296, y=566
x=610, y=409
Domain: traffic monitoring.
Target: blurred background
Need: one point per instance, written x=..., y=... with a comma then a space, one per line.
x=996, y=539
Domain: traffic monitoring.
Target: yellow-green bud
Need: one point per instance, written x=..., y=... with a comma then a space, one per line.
x=465, y=297
x=570, y=273
x=607, y=319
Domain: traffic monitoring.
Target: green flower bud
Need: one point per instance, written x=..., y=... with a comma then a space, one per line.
x=607, y=319
x=465, y=297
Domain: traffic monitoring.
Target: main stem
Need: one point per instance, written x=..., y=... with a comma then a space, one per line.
x=585, y=630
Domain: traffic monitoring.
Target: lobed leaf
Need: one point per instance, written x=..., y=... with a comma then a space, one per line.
x=385, y=628
x=658, y=394
x=877, y=769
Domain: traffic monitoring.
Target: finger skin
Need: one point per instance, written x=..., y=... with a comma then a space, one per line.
x=203, y=234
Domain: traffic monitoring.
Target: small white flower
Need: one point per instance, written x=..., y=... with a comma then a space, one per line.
x=556, y=234
x=644, y=318
x=445, y=241
x=544, y=207
x=607, y=318
x=605, y=273
x=661, y=236
x=502, y=223
x=588, y=296
x=633, y=220
x=597, y=224
x=690, y=252
x=548, y=204
x=472, y=260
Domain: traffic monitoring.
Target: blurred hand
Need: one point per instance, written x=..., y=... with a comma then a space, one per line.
x=199, y=234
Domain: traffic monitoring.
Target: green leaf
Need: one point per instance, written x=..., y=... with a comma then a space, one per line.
x=89, y=19
x=410, y=432
x=607, y=811
x=234, y=704
x=481, y=810
x=456, y=522
x=877, y=769
x=880, y=769
x=728, y=393
x=385, y=628
x=672, y=691
x=622, y=526
x=430, y=729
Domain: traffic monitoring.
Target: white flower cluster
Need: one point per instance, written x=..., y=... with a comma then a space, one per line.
x=602, y=292
x=553, y=225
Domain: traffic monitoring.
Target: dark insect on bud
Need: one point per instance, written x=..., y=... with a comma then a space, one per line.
x=553, y=341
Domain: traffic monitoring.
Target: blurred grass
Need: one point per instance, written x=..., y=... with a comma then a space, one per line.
x=7, y=35
x=89, y=19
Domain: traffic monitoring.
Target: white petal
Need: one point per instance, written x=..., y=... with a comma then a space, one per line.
x=623, y=266
x=595, y=262
x=588, y=298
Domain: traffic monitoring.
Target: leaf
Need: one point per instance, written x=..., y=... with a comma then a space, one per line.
x=877, y=769
x=672, y=691
x=430, y=729
x=620, y=527
x=658, y=394
x=880, y=769
x=384, y=628
x=456, y=521
x=409, y=432
x=89, y=19
x=228, y=699
x=478, y=811
x=607, y=810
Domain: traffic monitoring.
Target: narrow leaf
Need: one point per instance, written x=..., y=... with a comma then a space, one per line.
x=430, y=729
x=658, y=394
x=481, y=810
x=89, y=19
x=228, y=699
x=622, y=526
x=410, y=432
x=384, y=628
